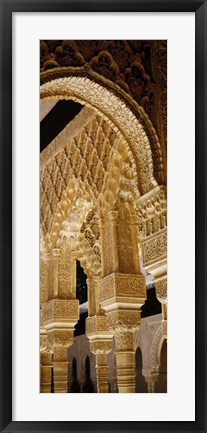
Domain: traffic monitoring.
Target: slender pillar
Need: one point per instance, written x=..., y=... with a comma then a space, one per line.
x=44, y=276
x=59, y=318
x=122, y=288
x=113, y=215
x=60, y=370
x=91, y=284
x=101, y=344
x=134, y=229
x=151, y=382
x=125, y=361
x=161, y=293
x=45, y=372
x=102, y=372
x=55, y=257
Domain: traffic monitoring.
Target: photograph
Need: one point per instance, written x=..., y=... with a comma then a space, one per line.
x=103, y=216
x=103, y=223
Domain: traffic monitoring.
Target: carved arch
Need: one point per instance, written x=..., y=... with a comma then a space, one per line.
x=156, y=349
x=115, y=111
x=121, y=92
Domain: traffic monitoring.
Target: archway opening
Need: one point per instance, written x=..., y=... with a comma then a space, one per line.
x=141, y=385
x=88, y=386
x=75, y=387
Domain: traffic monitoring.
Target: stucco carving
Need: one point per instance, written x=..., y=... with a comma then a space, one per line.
x=122, y=285
x=115, y=111
x=60, y=309
x=96, y=324
x=155, y=362
x=123, y=319
x=59, y=338
x=124, y=340
x=161, y=290
x=125, y=68
x=101, y=346
x=152, y=211
x=154, y=247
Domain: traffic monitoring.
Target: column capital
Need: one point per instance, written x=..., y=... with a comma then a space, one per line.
x=101, y=345
x=60, y=310
x=120, y=287
x=97, y=325
x=124, y=319
x=59, y=339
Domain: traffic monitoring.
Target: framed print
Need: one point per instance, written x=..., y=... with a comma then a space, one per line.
x=103, y=216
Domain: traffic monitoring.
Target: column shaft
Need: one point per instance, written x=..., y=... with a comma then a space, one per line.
x=45, y=372
x=102, y=372
x=125, y=362
x=60, y=376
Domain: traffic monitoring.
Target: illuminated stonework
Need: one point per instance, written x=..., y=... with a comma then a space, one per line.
x=102, y=202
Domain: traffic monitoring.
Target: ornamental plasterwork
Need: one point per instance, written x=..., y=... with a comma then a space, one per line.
x=43, y=342
x=60, y=353
x=134, y=70
x=114, y=110
x=152, y=211
x=121, y=182
x=77, y=199
x=154, y=247
x=155, y=353
x=64, y=189
x=121, y=286
x=44, y=270
x=60, y=309
x=96, y=324
x=101, y=346
x=123, y=319
x=124, y=340
x=74, y=160
x=59, y=337
x=88, y=247
x=161, y=290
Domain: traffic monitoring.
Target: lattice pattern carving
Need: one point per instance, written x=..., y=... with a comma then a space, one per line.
x=85, y=156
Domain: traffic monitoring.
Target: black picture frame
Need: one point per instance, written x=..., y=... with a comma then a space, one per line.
x=7, y=8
